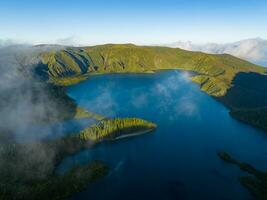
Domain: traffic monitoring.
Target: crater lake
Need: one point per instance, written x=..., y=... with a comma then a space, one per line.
x=179, y=159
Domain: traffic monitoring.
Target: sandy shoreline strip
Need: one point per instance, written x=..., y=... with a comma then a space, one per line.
x=134, y=134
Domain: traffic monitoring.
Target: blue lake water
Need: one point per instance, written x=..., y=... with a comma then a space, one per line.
x=178, y=160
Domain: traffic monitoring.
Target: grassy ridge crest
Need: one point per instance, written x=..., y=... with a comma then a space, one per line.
x=216, y=72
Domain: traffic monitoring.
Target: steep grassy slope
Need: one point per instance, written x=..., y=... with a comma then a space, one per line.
x=68, y=66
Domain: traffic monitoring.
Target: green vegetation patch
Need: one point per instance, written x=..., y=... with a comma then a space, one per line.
x=55, y=187
x=82, y=113
x=68, y=80
x=114, y=128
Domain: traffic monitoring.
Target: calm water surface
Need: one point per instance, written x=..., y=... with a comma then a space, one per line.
x=177, y=161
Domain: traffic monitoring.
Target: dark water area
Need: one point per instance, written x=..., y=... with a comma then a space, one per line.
x=178, y=160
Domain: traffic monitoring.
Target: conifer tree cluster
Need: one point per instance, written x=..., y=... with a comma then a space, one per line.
x=112, y=128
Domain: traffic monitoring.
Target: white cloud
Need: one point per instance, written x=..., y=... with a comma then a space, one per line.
x=70, y=41
x=11, y=42
x=140, y=100
x=105, y=102
x=254, y=50
x=186, y=106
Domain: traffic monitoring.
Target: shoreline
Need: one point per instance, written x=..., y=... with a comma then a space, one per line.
x=133, y=134
x=84, y=77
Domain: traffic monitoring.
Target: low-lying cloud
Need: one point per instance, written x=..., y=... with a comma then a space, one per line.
x=254, y=50
x=174, y=94
x=186, y=106
x=104, y=102
x=24, y=99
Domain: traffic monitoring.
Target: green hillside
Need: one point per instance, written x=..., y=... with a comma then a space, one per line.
x=215, y=72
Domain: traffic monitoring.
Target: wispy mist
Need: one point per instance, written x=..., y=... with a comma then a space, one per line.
x=254, y=50
x=25, y=100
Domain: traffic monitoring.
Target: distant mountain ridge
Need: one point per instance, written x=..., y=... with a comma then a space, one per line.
x=216, y=72
x=254, y=50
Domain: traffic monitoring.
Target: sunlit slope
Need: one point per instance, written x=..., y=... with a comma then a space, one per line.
x=216, y=72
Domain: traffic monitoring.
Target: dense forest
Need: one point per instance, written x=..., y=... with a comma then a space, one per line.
x=113, y=128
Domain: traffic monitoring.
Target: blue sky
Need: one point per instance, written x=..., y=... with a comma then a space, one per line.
x=136, y=21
